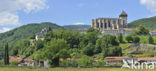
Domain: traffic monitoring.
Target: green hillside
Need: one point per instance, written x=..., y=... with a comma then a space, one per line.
x=149, y=23
x=24, y=32
x=73, y=27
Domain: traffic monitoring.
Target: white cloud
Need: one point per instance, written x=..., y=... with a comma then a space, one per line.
x=9, y=8
x=33, y=5
x=150, y=4
x=7, y=18
x=4, y=29
x=79, y=23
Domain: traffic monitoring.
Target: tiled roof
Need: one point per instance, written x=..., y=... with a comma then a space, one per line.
x=147, y=59
x=153, y=31
x=114, y=58
x=29, y=60
x=117, y=58
x=15, y=59
x=123, y=13
x=128, y=29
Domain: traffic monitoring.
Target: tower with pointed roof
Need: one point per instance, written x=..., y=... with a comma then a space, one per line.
x=124, y=16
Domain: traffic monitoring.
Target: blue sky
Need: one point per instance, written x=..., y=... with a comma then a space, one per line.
x=66, y=12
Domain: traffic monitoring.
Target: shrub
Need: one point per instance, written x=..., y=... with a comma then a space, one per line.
x=129, y=38
x=1, y=62
x=99, y=63
x=88, y=50
x=150, y=40
x=65, y=63
x=85, y=61
x=136, y=39
x=14, y=63
x=120, y=38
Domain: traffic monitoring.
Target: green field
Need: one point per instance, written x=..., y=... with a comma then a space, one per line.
x=70, y=69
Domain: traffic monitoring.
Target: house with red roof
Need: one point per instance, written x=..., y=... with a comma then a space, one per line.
x=23, y=61
x=147, y=59
x=153, y=33
x=118, y=61
x=15, y=59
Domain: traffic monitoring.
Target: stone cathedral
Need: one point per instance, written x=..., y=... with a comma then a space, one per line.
x=110, y=23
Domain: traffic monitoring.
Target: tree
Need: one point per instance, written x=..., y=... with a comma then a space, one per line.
x=88, y=50
x=142, y=30
x=25, y=44
x=129, y=38
x=32, y=37
x=115, y=51
x=39, y=44
x=150, y=40
x=110, y=39
x=6, y=55
x=55, y=49
x=85, y=61
x=108, y=42
x=71, y=37
x=49, y=29
x=90, y=37
x=120, y=38
x=49, y=36
x=92, y=30
x=98, y=48
x=136, y=39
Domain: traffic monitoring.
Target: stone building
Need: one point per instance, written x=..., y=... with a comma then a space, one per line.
x=112, y=25
x=153, y=33
x=40, y=35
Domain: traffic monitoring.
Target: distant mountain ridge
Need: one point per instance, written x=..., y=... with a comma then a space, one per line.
x=149, y=23
x=78, y=26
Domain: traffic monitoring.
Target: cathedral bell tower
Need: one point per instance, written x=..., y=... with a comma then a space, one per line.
x=124, y=16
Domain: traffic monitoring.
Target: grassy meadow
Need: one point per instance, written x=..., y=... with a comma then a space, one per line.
x=69, y=69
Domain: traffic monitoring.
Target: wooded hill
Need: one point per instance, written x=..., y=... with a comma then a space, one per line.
x=24, y=32
x=149, y=23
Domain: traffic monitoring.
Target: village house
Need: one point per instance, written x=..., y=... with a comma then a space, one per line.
x=147, y=59
x=118, y=61
x=153, y=33
x=23, y=61
x=29, y=62
x=114, y=60
x=15, y=59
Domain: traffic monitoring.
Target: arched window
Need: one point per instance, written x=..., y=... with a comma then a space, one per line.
x=101, y=25
x=105, y=25
x=109, y=24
